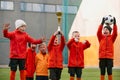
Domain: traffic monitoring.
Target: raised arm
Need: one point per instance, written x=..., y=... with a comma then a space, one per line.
x=35, y=41
x=62, y=42
x=5, y=31
x=99, y=31
x=114, y=34
x=51, y=42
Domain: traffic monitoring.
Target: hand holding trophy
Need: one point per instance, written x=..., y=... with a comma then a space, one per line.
x=59, y=16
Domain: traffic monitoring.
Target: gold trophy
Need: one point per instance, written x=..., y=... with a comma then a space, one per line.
x=59, y=16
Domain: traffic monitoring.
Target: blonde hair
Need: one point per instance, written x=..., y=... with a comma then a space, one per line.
x=43, y=43
x=74, y=32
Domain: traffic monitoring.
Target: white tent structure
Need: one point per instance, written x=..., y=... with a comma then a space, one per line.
x=87, y=21
x=90, y=14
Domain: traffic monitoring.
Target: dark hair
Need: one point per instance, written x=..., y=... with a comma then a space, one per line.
x=109, y=28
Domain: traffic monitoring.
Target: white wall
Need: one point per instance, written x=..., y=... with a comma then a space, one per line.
x=90, y=14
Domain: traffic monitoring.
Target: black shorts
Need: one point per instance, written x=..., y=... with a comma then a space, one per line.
x=55, y=73
x=29, y=78
x=41, y=77
x=106, y=63
x=14, y=62
x=75, y=70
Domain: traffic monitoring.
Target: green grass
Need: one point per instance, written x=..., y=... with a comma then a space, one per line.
x=87, y=74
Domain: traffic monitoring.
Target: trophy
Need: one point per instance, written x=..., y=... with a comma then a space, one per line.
x=59, y=16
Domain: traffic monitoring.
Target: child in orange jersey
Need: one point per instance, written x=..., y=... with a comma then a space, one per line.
x=18, y=45
x=30, y=61
x=106, y=48
x=55, y=49
x=41, y=62
x=76, y=56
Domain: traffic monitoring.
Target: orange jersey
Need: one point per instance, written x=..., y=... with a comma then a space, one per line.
x=41, y=62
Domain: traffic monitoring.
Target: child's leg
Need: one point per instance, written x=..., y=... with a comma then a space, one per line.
x=109, y=68
x=37, y=77
x=41, y=77
x=21, y=63
x=52, y=73
x=13, y=67
x=102, y=65
x=46, y=78
x=22, y=75
x=12, y=75
x=102, y=70
x=109, y=72
x=29, y=78
x=71, y=71
x=102, y=77
x=109, y=77
x=78, y=78
x=72, y=76
x=58, y=73
x=78, y=73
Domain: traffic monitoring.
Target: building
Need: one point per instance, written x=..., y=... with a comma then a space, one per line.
x=40, y=16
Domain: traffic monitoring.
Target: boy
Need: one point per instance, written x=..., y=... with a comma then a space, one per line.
x=41, y=62
x=76, y=56
x=18, y=44
x=30, y=61
x=55, y=49
x=106, y=49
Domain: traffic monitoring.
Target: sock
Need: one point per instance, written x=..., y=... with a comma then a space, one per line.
x=12, y=75
x=71, y=78
x=78, y=78
x=102, y=77
x=22, y=75
x=109, y=77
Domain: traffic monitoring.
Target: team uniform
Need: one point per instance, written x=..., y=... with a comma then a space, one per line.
x=76, y=57
x=106, y=50
x=55, y=60
x=30, y=64
x=18, y=47
x=41, y=62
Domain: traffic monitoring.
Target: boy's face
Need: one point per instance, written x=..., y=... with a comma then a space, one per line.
x=76, y=35
x=33, y=46
x=43, y=48
x=22, y=28
x=106, y=32
x=56, y=41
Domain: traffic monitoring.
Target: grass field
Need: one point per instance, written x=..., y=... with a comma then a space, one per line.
x=88, y=74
